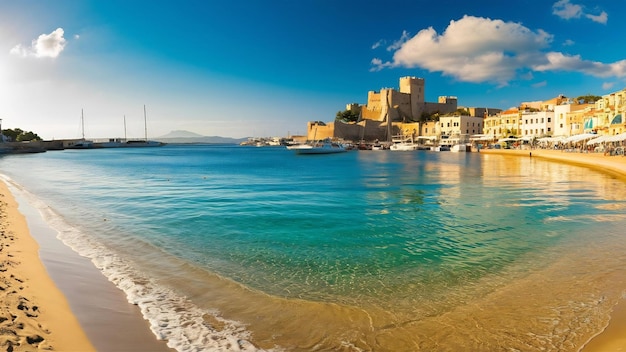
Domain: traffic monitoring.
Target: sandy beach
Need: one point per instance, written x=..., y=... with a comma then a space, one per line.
x=613, y=338
x=40, y=314
x=34, y=314
x=84, y=311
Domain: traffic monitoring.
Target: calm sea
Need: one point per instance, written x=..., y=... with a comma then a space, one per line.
x=229, y=247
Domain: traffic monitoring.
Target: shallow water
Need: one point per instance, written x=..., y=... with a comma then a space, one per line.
x=228, y=247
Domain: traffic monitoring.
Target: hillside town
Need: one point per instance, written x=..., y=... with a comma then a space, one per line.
x=392, y=115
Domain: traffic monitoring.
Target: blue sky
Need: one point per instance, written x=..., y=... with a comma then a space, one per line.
x=264, y=68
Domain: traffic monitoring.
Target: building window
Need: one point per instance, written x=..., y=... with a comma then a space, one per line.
x=549, y=119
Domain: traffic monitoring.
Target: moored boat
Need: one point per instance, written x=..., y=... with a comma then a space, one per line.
x=323, y=147
x=408, y=146
x=461, y=148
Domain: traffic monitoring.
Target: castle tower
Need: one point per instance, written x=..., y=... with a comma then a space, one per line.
x=415, y=87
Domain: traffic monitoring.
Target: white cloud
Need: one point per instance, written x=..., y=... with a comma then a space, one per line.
x=568, y=42
x=540, y=84
x=602, y=18
x=562, y=62
x=472, y=49
x=607, y=85
x=475, y=49
x=46, y=45
x=398, y=43
x=567, y=10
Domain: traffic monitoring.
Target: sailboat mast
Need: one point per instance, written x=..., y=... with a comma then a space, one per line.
x=125, y=128
x=82, y=123
x=145, y=122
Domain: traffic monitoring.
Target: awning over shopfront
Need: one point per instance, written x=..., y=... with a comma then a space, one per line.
x=580, y=137
x=551, y=139
x=617, y=138
x=508, y=140
x=482, y=137
x=597, y=140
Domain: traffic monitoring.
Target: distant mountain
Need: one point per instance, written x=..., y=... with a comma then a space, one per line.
x=190, y=137
x=181, y=134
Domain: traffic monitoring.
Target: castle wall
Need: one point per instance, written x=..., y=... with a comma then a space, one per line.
x=316, y=131
x=401, y=103
x=367, y=114
x=447, y=108
x=374, y=101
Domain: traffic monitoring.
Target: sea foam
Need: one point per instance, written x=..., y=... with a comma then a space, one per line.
x=172, y=317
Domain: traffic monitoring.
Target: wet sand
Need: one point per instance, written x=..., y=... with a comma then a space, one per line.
x=130, y=332
x=101, y=318
x=613, y=338
x=34, y=314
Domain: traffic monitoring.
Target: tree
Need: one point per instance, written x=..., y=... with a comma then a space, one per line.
x=588, y=99
x=458, y=112
x=347, y=116
x=18, y=135
x=429, y=116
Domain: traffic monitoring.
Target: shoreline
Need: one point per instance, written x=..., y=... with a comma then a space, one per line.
x=101, y=309
x=613, y=337
x=34, y=314
x=77, y=304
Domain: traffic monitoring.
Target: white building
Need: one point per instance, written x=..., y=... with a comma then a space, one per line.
x=564, y=124
x=460, y=125
x=537, y=123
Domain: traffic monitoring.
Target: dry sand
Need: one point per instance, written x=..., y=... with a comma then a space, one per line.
x=34, y=315
x=613, y=338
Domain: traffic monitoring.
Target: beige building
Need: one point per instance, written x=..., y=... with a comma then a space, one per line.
x=568, y=118
x=510, y=122
x=492, y=126
x=608, y=116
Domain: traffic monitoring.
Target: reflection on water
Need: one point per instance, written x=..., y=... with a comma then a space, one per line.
x=359, y=251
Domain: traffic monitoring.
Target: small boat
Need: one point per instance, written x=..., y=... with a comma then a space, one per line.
x=440, y=148
x=461, y=148
x=404, y=146
x=324, y=147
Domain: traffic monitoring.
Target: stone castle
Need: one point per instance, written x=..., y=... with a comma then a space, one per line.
x=392, y=112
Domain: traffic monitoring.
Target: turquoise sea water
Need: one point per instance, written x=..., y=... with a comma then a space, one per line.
x=228, y=247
